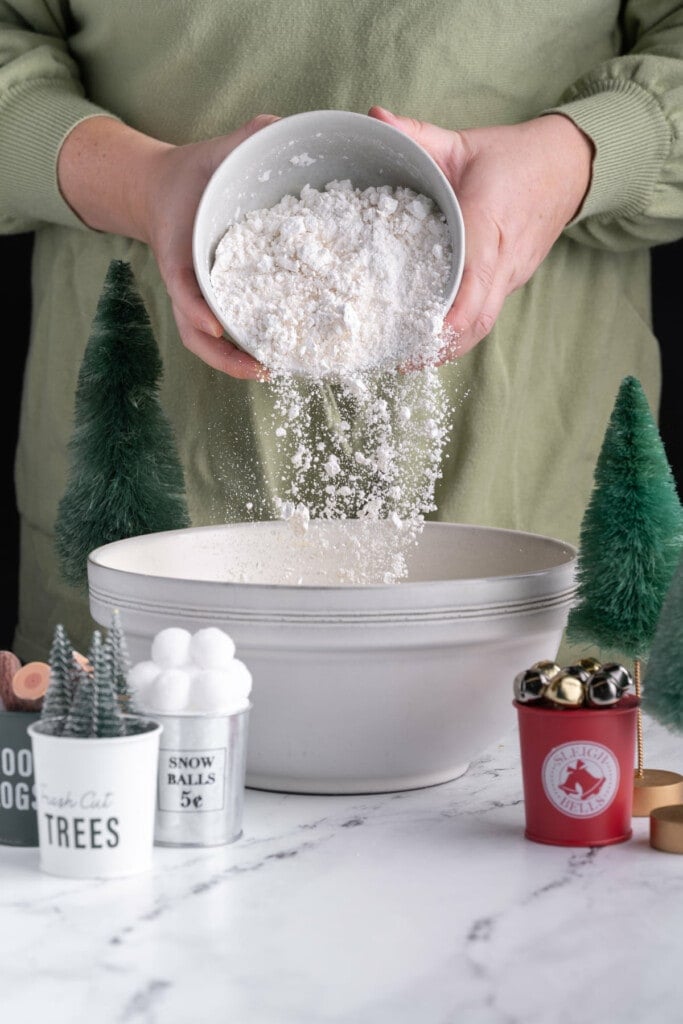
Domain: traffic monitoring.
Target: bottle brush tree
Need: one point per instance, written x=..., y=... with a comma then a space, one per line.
x=125, y=476
x=630, y=543
x=117, y=651
x=65, y=675
x=663, y=690
x=631, y=534
x=95, y=712
x=92, y=703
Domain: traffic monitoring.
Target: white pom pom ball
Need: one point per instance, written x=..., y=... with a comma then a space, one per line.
x=239, y=679
x=171, y=647
x=211, y=648
x=211, y=691
x=142, y=674
x=170, y=691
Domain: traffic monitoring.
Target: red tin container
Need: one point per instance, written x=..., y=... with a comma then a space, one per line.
x=577, y=769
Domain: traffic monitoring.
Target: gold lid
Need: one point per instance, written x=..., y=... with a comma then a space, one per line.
x=655, y=788
x=666, y=828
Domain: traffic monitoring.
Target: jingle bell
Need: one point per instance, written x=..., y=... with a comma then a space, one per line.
x=619, y=674
x=579, y=671
x=547, y=668
x=529, y=685
x=566, y=689
x=590, y=664
x=602, y=690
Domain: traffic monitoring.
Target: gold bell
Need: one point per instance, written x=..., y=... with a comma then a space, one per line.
x=547, y=668
x=590, y=664
x=565, y=689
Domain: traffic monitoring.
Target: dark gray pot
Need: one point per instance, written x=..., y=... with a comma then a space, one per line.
x=18, y=819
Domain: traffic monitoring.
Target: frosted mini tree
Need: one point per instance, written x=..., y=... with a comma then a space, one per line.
x=109, y=719
x=125, y=477
x=117, y=651
x=64, y=676
x=95, y=712
x=630, y=544
x=80, y=721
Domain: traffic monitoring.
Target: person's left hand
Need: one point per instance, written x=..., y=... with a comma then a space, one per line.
x=518, y=187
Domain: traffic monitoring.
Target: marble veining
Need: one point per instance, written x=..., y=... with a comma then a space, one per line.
x=427, y=907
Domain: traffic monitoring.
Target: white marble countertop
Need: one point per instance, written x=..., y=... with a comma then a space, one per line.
x=415, y=908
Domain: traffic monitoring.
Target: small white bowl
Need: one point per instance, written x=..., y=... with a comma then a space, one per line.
x=259, y=172
x=357, y=689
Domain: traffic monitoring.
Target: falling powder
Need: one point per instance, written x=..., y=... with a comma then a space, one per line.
x=335, y=292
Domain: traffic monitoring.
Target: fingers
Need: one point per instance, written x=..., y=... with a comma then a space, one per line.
x=250, y=128
x=483, y=289
x=219, y=353
x=187, y=298
x=202, y=333
x=439, y=142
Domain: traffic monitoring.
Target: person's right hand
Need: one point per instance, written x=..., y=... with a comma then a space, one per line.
x=119, y=180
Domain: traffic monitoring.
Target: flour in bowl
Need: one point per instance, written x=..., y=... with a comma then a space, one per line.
x=337, y=281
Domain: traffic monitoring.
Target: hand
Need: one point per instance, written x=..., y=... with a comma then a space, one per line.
x=119, y=180
x=518, y=187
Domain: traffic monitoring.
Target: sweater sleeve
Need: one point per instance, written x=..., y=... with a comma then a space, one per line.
x=41, y=100
x=632, y=109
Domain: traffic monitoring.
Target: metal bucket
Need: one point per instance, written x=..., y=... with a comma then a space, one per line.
x=200, y=790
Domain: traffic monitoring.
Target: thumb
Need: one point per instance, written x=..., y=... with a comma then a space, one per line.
x=255, y=125
x=437, y=141
x=222, y=145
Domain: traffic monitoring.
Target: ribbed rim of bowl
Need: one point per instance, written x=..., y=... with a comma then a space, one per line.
x=421, y=601
x=95, y=556
x=281, y=616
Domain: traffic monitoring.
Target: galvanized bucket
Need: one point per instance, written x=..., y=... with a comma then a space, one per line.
x=200, y=790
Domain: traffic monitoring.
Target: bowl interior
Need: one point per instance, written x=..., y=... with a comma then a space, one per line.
x=264, y=553
x=324, y=145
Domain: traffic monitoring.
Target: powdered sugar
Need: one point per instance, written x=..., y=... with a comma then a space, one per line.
x=336, y=282
x=334, y=292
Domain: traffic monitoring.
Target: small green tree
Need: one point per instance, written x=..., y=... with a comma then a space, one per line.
x=63, y=679
x=117, y=650
x=125, y=477
x=663, y=689
x=631, y=534
x=81, y=720
x=109, y=719
x=630, y=543
x=95, y=712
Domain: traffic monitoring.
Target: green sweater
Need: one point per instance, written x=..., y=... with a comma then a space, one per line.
x=538, y=391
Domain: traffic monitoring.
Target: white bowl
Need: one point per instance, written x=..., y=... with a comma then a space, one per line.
x=356, y=688
x=259, y=172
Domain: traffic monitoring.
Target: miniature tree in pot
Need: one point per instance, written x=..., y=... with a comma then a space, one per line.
x=96, y=766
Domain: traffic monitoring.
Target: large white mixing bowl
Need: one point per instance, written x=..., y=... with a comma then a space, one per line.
x=356, y=688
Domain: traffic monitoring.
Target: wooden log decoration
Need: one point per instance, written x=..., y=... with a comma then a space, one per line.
x=31, y=682
x=9, y=666
x=22, y=687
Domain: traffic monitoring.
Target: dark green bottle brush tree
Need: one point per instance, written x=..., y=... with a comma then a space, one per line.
x=631, y=537
x=663, y=690
x=125, y=476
